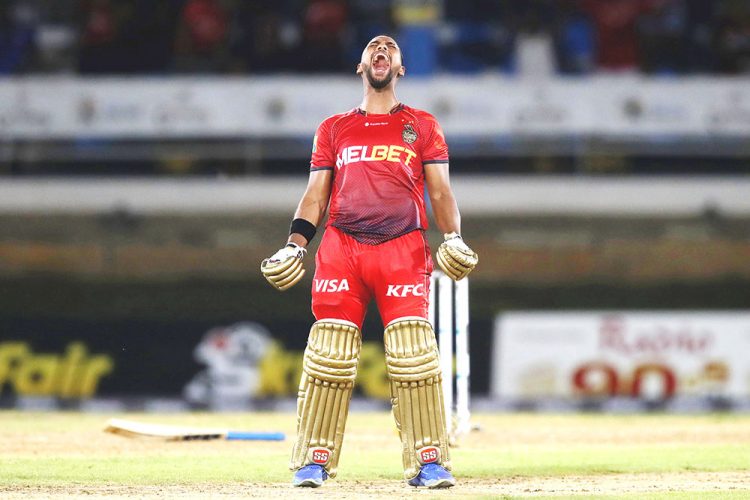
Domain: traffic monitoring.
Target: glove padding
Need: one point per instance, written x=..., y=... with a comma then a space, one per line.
x=284, y=268
x=455, y=258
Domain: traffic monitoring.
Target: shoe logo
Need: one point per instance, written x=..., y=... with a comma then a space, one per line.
x=331, y=285
x=404, y=290
x=320, y=456
x=429, y=455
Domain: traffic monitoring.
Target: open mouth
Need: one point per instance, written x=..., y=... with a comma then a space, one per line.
x=381, y=64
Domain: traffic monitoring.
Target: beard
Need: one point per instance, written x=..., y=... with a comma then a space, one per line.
x=378, y=84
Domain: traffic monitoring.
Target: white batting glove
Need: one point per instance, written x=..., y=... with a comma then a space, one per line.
x=284, y=268
x=455, y=258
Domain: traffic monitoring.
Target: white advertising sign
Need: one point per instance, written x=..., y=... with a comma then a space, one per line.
x=649, y=355
x=484, y=107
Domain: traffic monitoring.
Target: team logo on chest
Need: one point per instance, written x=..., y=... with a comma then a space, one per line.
x=409, y=134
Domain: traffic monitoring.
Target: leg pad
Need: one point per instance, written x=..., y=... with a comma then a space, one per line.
x=413, y=366
x=328, y=373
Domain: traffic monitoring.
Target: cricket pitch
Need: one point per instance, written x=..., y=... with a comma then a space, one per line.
x=67, y=455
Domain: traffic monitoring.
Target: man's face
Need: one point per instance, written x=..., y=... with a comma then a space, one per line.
x=381, y=61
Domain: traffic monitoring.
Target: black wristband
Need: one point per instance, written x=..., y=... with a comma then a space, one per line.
x=303, y=227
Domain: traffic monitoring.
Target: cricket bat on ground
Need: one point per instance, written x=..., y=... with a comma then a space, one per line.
x=130, y=428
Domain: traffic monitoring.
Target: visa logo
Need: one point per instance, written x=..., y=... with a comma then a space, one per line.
x=331, y=285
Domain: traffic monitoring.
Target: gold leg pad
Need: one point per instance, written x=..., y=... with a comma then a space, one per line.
x=328, y=372
x=413, y=366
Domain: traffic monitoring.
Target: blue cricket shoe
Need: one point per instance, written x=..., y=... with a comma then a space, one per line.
x=433, y=476
x=310, y=476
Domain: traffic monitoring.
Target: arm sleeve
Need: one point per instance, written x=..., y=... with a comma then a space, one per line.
x=323, y=156
x=435, y=149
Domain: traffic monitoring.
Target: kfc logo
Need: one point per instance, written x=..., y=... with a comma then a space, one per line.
x=404, y=290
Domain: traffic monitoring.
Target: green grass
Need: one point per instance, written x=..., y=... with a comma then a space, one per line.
x=554, y=461
x=70, y=448
x=535, y=461
x=674, y=495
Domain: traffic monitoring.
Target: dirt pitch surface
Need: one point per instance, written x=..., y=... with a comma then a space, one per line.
x=609, y=484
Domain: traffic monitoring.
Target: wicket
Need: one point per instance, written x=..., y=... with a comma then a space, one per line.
x=451, y=302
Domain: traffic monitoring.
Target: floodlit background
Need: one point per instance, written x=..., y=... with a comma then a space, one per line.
x=153, y=152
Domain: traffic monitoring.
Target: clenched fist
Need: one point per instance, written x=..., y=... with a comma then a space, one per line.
x=284, y=268
x=455, y=258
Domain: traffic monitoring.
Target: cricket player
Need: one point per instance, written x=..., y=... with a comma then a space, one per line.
x=369, y=168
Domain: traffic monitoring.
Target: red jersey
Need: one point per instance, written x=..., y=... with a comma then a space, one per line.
x=378, y=170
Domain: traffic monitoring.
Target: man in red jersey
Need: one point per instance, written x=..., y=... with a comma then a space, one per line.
x=369, y=167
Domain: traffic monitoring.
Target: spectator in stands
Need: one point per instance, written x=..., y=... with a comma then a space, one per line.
x=263, y=41
x=149, y=32
x=576, y=45
x=616, y=37
x=733, y=38
x=17, y=30
x=479, y=36
x=202, y=37
x=324, y=35
x=56, y=35
x=101, y=51
x=701, y=25
x=266, y=36
x=663, y=38
x=534, y=53
x=368, y=19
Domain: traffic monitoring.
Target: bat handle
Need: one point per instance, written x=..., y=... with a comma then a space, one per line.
x=255, y=436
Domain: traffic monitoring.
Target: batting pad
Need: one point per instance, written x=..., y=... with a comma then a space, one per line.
x=413, y=364
x=328, y=373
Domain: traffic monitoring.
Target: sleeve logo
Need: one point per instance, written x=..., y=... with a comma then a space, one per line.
x=409, y=134
x=315, y=144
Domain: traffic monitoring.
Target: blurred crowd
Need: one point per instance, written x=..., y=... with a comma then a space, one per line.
x=665, y=37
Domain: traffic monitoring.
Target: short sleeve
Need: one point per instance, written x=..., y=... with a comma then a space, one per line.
x=323, y=155
x=435, y=149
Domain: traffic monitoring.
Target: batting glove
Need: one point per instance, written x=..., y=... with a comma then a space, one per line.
x=284, y=268
x=455, y=258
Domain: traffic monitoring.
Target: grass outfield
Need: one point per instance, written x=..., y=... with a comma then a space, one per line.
x=66, y=455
